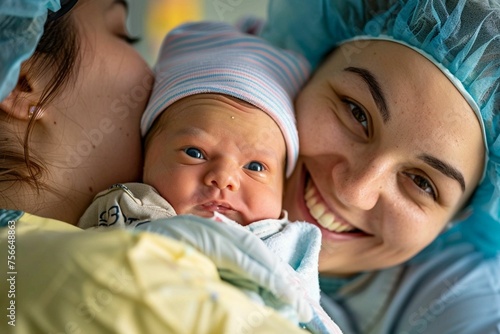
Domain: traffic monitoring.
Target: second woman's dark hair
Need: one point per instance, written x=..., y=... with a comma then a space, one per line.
x=56, y=56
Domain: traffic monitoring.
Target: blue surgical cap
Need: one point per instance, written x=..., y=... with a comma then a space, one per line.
x=462, y=37
x=21, y=26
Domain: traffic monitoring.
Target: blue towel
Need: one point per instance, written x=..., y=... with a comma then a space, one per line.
x=298, y=244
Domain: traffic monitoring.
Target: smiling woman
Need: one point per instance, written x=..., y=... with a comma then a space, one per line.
x=399, y=159
x=385, y=178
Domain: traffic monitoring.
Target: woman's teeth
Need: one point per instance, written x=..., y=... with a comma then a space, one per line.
x=321, y=213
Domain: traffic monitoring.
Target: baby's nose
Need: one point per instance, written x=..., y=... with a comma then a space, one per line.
x=223, y=176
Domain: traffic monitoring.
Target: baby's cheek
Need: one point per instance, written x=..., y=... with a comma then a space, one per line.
x=273, y=205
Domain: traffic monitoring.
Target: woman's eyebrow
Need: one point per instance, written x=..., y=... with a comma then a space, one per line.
x=444, y=168
x=375, y=90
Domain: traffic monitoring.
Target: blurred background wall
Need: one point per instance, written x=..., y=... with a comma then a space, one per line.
x=152, y=19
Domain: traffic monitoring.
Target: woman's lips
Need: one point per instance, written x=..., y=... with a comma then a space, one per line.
x=323, y=215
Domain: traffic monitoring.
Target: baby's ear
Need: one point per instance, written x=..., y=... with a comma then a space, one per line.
x=21, y=103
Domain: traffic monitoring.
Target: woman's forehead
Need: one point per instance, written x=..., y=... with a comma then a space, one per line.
x=398, y=78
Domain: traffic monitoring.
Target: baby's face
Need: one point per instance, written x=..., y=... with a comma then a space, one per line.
x=214, y=153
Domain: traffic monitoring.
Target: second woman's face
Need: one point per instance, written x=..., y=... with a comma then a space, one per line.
x=390, y=151
x=95, y=122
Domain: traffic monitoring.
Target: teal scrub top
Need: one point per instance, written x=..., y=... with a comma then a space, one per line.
x=454, y=291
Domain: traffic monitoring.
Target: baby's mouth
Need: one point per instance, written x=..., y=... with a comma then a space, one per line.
x=217, y=207
x=319, y=211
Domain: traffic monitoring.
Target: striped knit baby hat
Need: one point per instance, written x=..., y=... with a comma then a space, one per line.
x=209, y=57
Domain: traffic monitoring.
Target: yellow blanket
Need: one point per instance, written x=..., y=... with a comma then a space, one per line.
x=61, y=279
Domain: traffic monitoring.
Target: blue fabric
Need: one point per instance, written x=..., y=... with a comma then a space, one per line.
x=9, y=215
x=298, y=244
x=21, y=26
x=462, y=37
x=331, y=285
x=456, y=291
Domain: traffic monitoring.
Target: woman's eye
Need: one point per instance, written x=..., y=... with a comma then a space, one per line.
x=423, y=184
x=255, y=166
x=193, y=152
x=130, y=40
x=358, y=113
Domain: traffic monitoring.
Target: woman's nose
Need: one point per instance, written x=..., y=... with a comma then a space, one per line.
x=362, y=185
x=223, y=175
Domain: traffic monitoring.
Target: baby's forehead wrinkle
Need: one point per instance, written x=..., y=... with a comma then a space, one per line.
x=191, y=131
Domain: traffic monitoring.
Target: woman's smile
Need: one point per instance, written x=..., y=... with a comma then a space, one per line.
x=325, y=217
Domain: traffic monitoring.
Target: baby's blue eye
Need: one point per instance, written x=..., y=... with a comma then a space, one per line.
x=255, y=166
x=194, y=153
